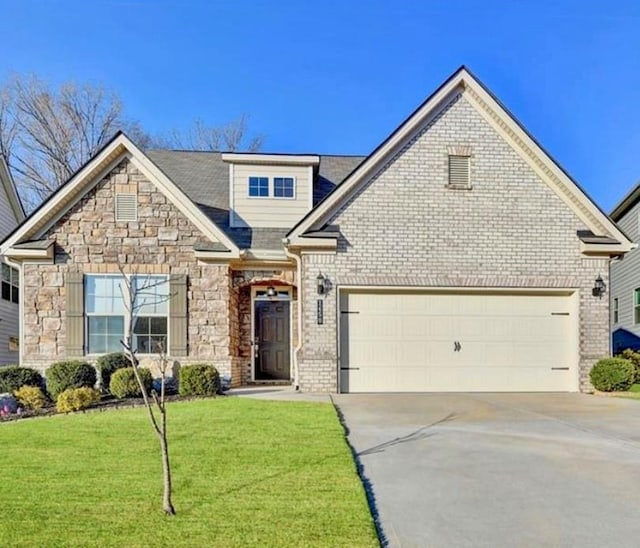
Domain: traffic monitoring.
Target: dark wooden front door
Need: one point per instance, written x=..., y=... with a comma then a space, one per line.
x=271, y=341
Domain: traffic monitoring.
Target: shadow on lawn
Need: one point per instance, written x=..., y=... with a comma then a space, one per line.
x=419, y=434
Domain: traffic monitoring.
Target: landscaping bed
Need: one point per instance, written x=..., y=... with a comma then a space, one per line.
x=246, y=472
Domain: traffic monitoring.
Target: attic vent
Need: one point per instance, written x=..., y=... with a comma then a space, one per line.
x=126, y=207
x=459, y=176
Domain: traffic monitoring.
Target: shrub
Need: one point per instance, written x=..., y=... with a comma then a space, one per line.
x=76, y=399
x=124, y=384
x=108, y=364
x=170, y=386
x=69, y=374
x=200, y=379
x=634, y=358
x=612, y=374
x=31, y=397
x=14, y=377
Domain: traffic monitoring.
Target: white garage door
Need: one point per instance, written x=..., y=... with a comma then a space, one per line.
x=453, y=342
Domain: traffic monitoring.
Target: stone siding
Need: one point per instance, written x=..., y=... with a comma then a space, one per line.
x=90, y=241
x=243, y=281
x=404, y=227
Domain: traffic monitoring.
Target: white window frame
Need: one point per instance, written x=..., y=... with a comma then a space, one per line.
x=616, y=316
x=155, y=314
x=295, y=187
x=636, y=305
x=249, y=177
x=13, y=282
x=126, y=313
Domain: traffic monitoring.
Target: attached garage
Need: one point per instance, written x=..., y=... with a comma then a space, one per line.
x=458, y=341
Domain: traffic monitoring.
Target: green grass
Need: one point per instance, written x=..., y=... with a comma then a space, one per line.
x=246, y=473
x=632, y=394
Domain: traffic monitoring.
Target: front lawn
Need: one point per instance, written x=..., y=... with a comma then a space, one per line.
x=246, y=473
x=633, y=393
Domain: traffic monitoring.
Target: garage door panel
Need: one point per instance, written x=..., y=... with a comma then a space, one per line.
x=401, y=341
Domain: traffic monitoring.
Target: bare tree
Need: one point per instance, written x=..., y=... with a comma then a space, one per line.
x=231, y=137
x=47, y=133
x=139, y=292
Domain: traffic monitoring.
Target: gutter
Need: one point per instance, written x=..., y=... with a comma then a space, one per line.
x=296, y=350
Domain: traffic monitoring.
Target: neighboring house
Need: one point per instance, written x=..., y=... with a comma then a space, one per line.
x=457, y=256
x=625, y=278
x=11, y=215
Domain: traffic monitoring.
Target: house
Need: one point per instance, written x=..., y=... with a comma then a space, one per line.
x=625, y=278
x=457, y=256
x=11, y=214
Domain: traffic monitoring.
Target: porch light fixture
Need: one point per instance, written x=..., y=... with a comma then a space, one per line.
x=322, y=284
x=271, y=291
x=599, y=288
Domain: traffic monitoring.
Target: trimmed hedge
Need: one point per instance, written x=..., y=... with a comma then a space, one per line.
x=612, y=375
x=634, y=358
x=77, y=399
x=200, y=379
x=15, y=377
x=125, y=385
x=64, y=375
x=31, y=397
x=108, y=364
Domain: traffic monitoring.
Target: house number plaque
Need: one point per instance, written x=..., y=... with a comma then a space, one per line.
x=320, y=315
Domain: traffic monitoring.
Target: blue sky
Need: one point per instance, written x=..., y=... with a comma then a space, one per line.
x=339, y=76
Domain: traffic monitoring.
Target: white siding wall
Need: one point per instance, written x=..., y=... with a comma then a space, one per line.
x=269, y=212
x=8, y=311
x=625, y=275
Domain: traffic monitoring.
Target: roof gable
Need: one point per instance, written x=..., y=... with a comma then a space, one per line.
x=498, y=117
x=91, y=173
x=10, y=190
x=626, y=204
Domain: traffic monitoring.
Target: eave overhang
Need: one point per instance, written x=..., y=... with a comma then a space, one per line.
x=22, y=252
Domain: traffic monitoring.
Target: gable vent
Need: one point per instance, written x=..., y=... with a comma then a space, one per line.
x=459, y=176
x=126, y=207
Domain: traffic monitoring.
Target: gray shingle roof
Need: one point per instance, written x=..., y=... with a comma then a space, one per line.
x=34, y=244
x=204, y=178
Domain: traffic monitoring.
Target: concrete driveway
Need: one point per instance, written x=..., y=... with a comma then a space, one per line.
x=499, y=469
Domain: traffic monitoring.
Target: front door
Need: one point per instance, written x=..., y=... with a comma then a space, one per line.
x=271, y=341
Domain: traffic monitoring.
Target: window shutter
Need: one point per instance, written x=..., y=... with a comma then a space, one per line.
x=126, y=207
x=178, y=316
x=459, y=172
x=75, y=313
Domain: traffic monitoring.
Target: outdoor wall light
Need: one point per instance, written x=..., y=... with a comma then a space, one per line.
x=322, y=284
x=271, y=291
x=599, y=288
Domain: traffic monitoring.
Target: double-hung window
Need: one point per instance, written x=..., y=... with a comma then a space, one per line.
x=636, y=306
x=10, y=284
x=615, y=310
x=108, y=317
x=105, y=310
x=151, y=309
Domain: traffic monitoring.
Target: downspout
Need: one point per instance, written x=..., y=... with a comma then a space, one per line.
x=296, y=350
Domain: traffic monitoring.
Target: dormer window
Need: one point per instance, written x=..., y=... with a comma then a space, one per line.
x=284, y=187
x=259, y=187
